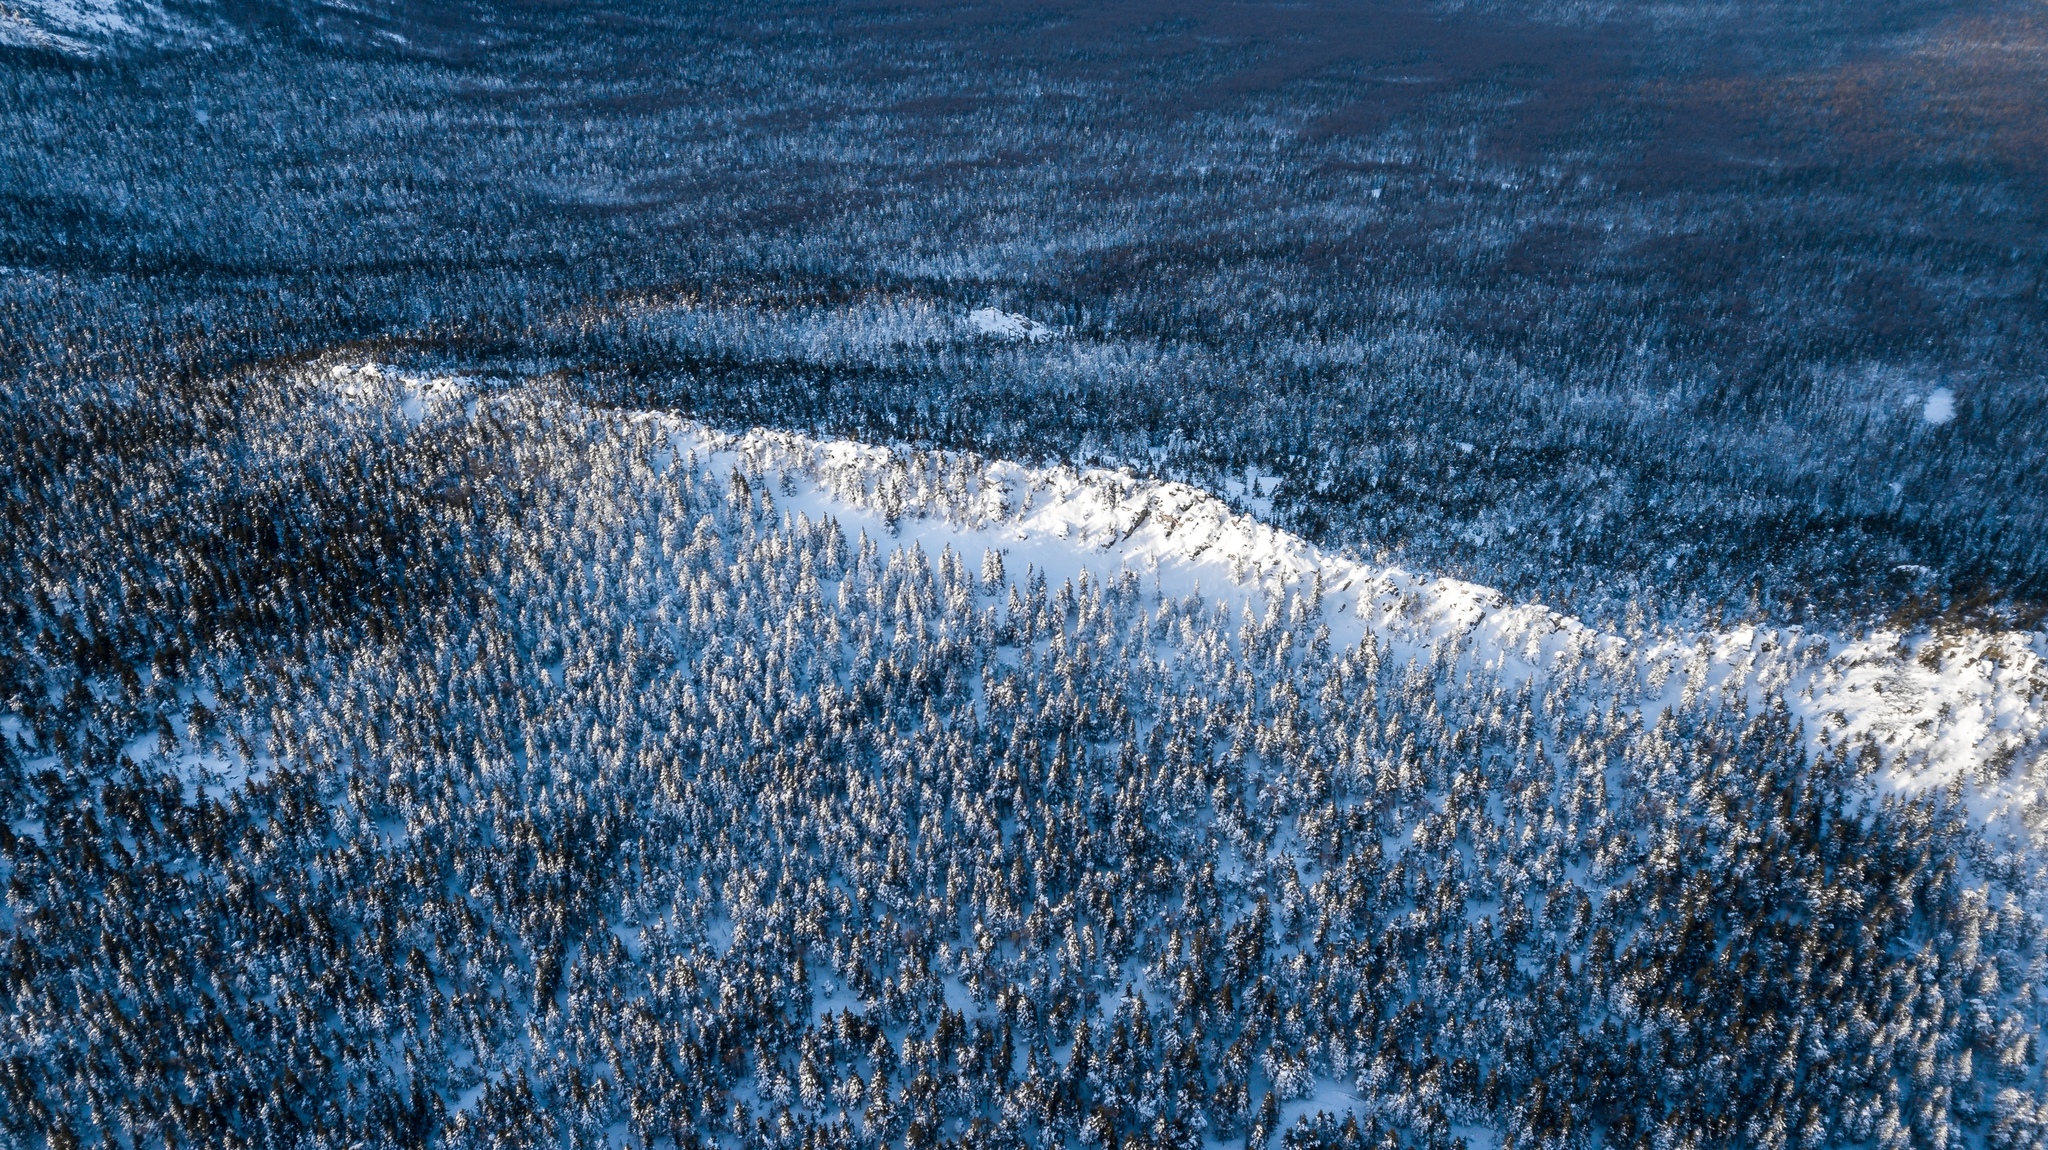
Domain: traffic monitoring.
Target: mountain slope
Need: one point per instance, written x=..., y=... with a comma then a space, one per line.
x=1958, y=705
x=450, y=762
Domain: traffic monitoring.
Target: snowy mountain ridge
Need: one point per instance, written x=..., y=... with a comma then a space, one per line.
x=1958, y=709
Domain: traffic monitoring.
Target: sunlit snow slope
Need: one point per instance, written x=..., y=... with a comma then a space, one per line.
x=1961, y=709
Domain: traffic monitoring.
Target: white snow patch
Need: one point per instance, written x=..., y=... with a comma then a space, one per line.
x=1007, y=325
x=414, y=396
x=1476, y=1137
x=832, y=998
x=1253, y=491
x=1940, y=406
x=1324, y=1097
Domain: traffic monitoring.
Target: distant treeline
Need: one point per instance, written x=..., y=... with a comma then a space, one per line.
x=1642, y=305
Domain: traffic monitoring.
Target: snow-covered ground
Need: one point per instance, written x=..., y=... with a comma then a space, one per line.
x=1007, y=325
x=1940, y=406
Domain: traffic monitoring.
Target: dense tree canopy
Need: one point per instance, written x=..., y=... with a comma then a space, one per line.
x=387, y=762
x=671, y=814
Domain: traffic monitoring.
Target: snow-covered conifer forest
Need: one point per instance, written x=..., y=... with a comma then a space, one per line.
x=1000, y=575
